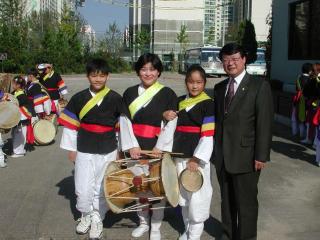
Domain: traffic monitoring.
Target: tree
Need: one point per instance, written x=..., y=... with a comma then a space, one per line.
x=247, y=39
x=142, y=40
x=113, y=40
x=210, y=39
x=183, y=38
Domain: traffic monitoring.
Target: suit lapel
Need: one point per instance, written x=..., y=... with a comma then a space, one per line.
x=221, y=95
x=241, y=91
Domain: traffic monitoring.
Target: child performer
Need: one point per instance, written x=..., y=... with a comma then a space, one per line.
x=194, y=138
x=41, y=100
x=89, y=136
x=22, y=134
x=144, y=128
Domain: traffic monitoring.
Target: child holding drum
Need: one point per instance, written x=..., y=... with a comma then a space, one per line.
x=144, y=129
x=22, y=134
x=89, y=121
x=194, y=138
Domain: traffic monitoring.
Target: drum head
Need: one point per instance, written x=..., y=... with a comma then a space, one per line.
x=44, y=131
x=191, y=180
x=9, y=115
x=170, y=180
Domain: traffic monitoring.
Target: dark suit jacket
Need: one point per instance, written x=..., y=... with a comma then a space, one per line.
x=244, y=133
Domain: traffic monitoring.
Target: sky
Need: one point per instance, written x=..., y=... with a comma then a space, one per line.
x=100, y=13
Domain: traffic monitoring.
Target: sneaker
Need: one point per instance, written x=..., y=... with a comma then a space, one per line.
x=155, y=235
x=96, y=227
x=17, y=155
x=139, y=231
x=83, y=225
x=3, y=163
x=183, y=236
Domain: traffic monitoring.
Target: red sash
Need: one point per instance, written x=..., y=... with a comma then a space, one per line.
x=96, y=128
x=146, y=131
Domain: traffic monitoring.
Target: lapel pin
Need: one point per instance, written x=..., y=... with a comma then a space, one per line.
x=243, y=89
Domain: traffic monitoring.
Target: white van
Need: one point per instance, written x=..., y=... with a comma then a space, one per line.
x=259, y=67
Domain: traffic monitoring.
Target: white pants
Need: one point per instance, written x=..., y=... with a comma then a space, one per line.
x=88, y=177
x=19, y=134
x=1, y=153
x=192, y=229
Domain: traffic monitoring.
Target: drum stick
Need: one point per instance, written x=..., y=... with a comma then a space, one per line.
x=151, y=152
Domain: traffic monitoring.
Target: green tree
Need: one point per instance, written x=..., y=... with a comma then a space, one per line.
x=247, y=38
x=183, y=38
x=142, y=40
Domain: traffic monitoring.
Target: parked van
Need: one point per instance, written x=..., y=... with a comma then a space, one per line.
x=259, y=67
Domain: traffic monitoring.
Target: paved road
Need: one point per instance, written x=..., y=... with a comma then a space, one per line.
x=37, y=192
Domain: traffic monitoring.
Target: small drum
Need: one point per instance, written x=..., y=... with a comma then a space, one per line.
x=191, y=181
x=9, y=114
x=44, y=131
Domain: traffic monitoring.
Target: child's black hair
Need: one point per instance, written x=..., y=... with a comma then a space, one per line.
x=149, y=58
x=196, y=68
x=32, y=71
x=306, y=68
x=20, y=80
x=97, y=65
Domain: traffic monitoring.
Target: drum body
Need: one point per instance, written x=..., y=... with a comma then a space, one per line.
x=167, y=184
x=9, y=114
x=44, y=131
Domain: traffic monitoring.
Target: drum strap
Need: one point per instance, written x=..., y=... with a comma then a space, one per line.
x=146, y=131
x=145, y=97
x=188, y=102
x=93, y=101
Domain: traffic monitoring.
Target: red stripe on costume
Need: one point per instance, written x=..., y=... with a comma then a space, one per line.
x=188, y=129
x=30, y=136
x=208, y=133
x=96, y=128
x=146, y=131
x=25, y=112
x=52, y=89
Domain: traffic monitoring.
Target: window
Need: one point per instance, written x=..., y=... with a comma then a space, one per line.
x=304, y=30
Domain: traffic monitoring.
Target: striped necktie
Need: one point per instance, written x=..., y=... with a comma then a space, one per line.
x=229, y=95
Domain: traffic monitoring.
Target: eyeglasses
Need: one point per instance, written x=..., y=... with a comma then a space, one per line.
x=231, y=60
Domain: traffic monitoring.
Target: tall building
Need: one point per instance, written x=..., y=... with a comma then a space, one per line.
x=164, y=21
x=53, y=6
x=257, y=12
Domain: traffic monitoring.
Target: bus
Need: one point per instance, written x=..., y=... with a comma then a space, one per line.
x=259, y=67
x=207, y=57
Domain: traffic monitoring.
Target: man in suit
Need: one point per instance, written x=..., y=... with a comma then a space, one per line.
x=244, y=116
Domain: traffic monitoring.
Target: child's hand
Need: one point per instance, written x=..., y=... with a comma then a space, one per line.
x=193, y=164
x=72, y=156
x=135, y=152
x=169, y=115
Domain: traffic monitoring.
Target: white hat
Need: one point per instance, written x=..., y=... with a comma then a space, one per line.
x=41, y=66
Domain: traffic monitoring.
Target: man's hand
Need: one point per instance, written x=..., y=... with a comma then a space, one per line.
x=157, y=153
x=169, y=115
x=193, y=164
x=135, y=152
x=72, y=156
x=259, y=165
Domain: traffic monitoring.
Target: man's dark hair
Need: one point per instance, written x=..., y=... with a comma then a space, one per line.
x=149, y=58
x=196, y=68
x=230, y=49
x=306, y=68
x=97, y=65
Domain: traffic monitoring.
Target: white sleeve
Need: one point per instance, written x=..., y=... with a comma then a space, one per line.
x=127, y=138
x=38, y=108
x=165, y=139
x=47, y=106
x=204, y=149
x=69, y=139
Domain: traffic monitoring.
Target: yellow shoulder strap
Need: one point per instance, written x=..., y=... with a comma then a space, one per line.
x=18, y=93
x=148, y=94
x=193, y=101
x=93, y=101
